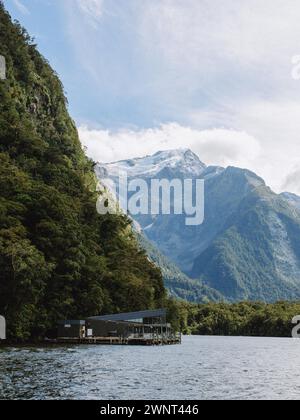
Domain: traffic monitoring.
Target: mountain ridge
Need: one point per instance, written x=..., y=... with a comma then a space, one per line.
x=154, y=164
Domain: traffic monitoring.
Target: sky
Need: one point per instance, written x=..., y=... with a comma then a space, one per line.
x=219, y=77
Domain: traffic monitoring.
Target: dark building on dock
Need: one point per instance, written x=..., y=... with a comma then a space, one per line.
x=71, y=329
x=145, y=327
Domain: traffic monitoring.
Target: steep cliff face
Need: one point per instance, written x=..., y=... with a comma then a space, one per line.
x=58, y=258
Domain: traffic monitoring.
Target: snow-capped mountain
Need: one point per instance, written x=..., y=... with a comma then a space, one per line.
x=248, y=246
x=180, y=162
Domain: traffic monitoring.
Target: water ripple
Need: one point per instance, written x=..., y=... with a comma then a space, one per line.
x=202, y=368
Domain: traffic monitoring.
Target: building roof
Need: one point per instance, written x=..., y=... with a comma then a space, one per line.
x=158, y=313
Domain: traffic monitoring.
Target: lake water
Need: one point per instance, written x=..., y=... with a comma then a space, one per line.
x=201, y=368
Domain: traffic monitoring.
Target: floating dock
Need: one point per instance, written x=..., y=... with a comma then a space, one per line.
x=118, y=341
x=146, y=328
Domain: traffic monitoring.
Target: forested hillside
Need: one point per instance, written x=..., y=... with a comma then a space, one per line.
x=240, y=319
x=177, y=283
x=58, y=258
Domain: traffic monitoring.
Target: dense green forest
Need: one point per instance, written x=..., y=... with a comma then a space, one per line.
x=58, y=258
x=239, y=319
x=177, y=283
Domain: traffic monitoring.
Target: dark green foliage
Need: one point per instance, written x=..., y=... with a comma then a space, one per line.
x=239, y=319
x=58, y=258
x=178, y=284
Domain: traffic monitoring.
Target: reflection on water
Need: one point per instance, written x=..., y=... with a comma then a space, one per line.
x=201, y=368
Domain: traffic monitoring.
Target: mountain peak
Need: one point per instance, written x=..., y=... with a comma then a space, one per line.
x=176, y=152
x=178, y=161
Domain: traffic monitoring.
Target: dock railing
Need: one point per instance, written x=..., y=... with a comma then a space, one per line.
x=157, y=336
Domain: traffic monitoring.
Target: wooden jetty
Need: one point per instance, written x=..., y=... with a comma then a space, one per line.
x=119, y=341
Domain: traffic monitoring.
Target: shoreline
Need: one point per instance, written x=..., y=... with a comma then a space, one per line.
x=45, y=344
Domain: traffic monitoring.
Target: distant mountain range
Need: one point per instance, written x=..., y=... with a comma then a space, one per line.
x=248, y=247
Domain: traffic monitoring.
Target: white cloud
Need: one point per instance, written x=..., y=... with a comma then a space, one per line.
x=21, y=7
x=180, y=55
x=192, y=32
x=221, y=50
x=92, y=9
x=275, y=124
x=216, y=147
x=292, y=181
x=221, y=70
x=277, y=162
